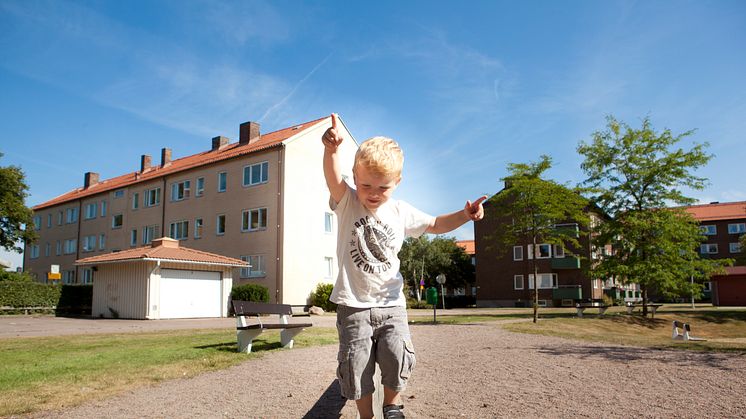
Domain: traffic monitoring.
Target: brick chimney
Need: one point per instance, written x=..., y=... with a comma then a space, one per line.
x=219, y=142
x=90, y=179
x=145, y=162
x=249, y=133
x=165, y=157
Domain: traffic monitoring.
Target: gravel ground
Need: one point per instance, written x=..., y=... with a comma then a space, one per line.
x=473, y=371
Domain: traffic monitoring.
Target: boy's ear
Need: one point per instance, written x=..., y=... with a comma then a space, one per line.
x=398, y=180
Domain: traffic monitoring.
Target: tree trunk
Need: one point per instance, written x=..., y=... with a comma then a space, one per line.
x=644, y=300
x=536, y=283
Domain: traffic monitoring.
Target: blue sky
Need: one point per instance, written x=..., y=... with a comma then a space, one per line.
x=465, y=88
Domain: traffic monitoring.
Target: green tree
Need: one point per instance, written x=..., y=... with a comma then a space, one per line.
x=633, y=175
x=532, y=208
x=423, y=259
x=16, y=219
x=741, y=259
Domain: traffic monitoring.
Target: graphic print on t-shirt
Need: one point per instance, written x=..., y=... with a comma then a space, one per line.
x=371, y=244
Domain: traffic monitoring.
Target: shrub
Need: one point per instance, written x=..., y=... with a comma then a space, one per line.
x=320, y=297
x=75, y=299
x=250, y=292
x=413, y=303
x=607, y=300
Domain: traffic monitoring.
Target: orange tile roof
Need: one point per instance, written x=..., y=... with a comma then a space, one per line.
x=713, y=212
x=264, y=142
x=165, y=249
x=467, y=245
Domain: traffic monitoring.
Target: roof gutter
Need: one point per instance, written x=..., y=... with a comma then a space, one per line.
x=159, y=260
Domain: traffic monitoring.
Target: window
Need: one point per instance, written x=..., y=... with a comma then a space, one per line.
x=87, y=276
x=517, y=252
x=37, y=222
x=102, y=241
x=544, y=251
x=517, y=282
x=152, y=197
x=328, y=222
x=135, y=201
x=220, y=225
x=47, y=249
x=49, y=220
x=709, y=230
x=328, y=267
x=68, y=277
x=103, y=208
x=179, y=230
x=90, y=211
x=34, y=251
x=256, y=269
x=72, y=216
x=58, y=248
x=197, y=228
x=89, y=243
x=737, y=228
x=255, y=174
x=149, y=233
x=70, y=246
x=546, y=281
x=133, y=237
x=559, y=251
x=255, y=219
x=734, y=247
x=200, y=186
x=708, y=248
x=119, y=193
x=707, y=286
x=59, y=218
x=222, y=181
x=180, y=191
x=116, y=221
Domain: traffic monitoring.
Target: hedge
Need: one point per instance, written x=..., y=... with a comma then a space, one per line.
x=320, y=297
x=69, y=299
x=250, y=292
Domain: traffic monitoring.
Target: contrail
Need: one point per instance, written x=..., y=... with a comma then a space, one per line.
x=285, y=99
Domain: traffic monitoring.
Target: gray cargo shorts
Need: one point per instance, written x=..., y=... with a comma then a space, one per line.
x=367, y=336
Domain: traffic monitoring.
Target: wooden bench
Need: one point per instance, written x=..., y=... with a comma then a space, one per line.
x=246, y=333
x=652, y=306
x=582, y=307
x=677, y=335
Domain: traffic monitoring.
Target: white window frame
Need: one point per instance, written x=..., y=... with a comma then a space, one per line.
x=199, y=186
x=328, y=222
x=135, y=200
x=199, y=224
x=91, y=210
x=735, y=247
x=68, y=277
x=180, y=190
x=538, y=251
x=707, y=248
x=149, y=233
x=328, y=267
x=153, y=197
x=559, y=251
x=58, y=248
x=707, y=286
x=70, y=246
x=181, y=227
x=222, y=181
x=71, y=216
x=247, y=217
x=49, y=220
x=102, y=241
x=736, y=228
x=248, y=174
x=257, y=268
x=47, y=249
x=119, y=193
x=516, y=278
x=114, y=224
x=103, y=208
x=87, y=276
x=709, y=229
x=37, y=222
x=542, y=284
x=133, y=237
x=517, y=253
x=89, y=243
x=34, y=251
x=60, y=217
x=220, y=222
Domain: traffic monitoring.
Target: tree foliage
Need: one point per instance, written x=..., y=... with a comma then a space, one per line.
x=16, y=219
x=423, y=258
x=633, y=175
x=532, y=208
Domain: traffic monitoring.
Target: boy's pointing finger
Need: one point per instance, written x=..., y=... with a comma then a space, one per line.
x=334, y=121
x=479, y=201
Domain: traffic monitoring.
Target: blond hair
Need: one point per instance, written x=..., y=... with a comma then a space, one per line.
x=381, y=156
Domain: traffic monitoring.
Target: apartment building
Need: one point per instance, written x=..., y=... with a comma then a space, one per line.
x=262, y=199
x=723, y=224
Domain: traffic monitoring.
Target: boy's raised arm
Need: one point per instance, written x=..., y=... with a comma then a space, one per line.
x=449, y=222
x=332, y=139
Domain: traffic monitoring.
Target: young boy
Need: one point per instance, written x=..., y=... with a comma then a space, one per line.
x=371, y=312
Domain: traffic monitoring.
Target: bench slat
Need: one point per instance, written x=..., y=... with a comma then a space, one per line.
x=274, y=326
x=250, y=308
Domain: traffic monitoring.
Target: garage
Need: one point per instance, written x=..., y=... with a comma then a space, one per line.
x=189, y=294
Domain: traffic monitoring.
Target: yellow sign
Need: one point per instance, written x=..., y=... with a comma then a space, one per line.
x=54, y=276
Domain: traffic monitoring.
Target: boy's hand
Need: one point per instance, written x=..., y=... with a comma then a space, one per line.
x=332, y=138
x=475, y=211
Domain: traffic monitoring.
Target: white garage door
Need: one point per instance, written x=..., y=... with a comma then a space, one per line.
x=189, y=294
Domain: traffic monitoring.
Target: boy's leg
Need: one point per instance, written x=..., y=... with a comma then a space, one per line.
x=356, y=357
x=365, y=406
x=391, y=396
x=394, y=353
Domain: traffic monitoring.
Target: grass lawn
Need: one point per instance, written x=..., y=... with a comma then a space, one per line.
x=55, y=372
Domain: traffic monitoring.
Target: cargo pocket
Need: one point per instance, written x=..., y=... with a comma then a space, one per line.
x=408, y=360
x=344, y=370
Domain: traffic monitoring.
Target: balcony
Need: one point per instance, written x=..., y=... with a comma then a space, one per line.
x=566, y=263
x=570, y=292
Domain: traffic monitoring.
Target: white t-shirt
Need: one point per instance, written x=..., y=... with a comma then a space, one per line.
x=367, y=250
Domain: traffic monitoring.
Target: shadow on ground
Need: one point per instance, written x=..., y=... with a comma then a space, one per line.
x=329, y=405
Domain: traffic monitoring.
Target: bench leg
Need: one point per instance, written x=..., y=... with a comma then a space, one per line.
x=245, y=337
x=602, y=310
x=629, y=309
x=287, y=335
x=580, y=312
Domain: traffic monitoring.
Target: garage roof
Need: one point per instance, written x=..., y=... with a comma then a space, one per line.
x=163, y=249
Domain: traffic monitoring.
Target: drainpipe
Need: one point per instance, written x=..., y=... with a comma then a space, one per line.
x=280, y=225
